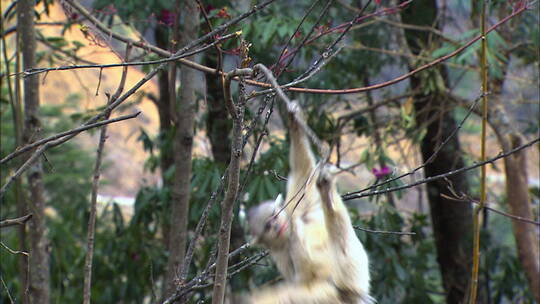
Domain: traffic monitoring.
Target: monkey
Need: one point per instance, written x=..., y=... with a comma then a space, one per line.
x=309, y=235
x=283, y=224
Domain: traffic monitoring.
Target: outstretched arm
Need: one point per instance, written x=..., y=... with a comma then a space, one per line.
x=336, y=215
x=301, y=158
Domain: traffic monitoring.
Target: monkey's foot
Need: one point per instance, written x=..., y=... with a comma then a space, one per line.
x=324, y=184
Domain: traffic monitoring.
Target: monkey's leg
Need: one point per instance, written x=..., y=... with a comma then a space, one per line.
x=322, y=292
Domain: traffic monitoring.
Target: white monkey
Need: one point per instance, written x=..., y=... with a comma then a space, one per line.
x=312, y=239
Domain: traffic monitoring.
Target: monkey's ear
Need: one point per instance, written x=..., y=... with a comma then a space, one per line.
x=279, y=201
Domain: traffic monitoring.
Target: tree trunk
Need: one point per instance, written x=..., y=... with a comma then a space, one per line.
x=517, y=192
x=39, y=252
x=20, y=197
x=183, y=144
x=163, y=104
x=218, y=128
x=452, y=222
x=218, y=125
x=227, y=206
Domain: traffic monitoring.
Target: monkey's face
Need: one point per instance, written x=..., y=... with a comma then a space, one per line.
x=267, y=225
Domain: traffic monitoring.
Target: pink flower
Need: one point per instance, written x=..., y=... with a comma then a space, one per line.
x=384, y=171
x=167, y=17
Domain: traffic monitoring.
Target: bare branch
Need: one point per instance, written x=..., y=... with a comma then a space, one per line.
x=383, y=232
x=14, y=251
x=511, y=216
x=145, y=46
x=77, y=130
x=237, y=112
x=134, y=63
x=354, y=195
x=432, y=157
x=95, y=184
x=16, y=221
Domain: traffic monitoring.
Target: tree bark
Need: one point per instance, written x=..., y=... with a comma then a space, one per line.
x=183, y=144
x=218, y=128
x=39, y=253
x=166, y=140
x=218, y=125
x=452, y=223
x=227, y=206
x=517, y=192
x=20, y=199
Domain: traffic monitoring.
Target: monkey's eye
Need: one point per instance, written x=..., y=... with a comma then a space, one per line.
x=268, y=225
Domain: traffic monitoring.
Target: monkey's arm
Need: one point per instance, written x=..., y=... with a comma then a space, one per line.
x=336, y=215
x=301, y=161
x=351, y=271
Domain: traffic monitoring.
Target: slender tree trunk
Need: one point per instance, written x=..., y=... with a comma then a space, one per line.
x=22, y=206
x=39, y=253
x=515, y=166
x=452, y=222
x=517, y=192
x=218, y=124
x=227, y=206
x=163, y=105
x=185, y=115
x=218, y=127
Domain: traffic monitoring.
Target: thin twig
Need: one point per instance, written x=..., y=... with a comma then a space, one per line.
x=199, y=228
x=39, y=151
x=407, y=75
x=354, y=195
x=432, y=157
x=297, y=30
x=384, y=232
x=77, y=130
x=14, y=251
x=293, y=54
x=511, y=216
x=95, y=184
x=134, y=63
x=7, y=289
x=149, y=47
x=16, y=221
x=206, y=69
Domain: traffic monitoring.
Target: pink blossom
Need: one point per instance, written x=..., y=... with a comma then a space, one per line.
x=384, y=171
x=167, y=17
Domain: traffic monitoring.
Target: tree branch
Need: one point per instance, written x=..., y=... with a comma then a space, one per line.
x=77, y=130
x=16, y=221
x=354, y=195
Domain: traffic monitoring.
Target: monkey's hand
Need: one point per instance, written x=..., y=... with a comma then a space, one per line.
x=325, y=184
x=295, y=115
